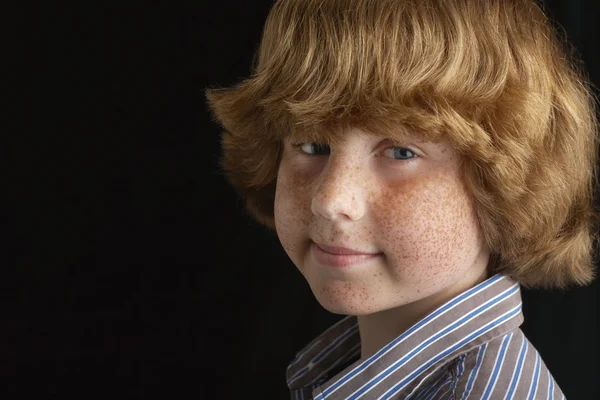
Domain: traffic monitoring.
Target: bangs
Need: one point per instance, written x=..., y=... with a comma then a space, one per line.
x=391, y=68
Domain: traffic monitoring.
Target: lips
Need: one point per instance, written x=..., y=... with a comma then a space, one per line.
x=340, y=256
x=342, y=250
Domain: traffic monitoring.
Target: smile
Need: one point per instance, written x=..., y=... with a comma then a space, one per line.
x=339, y=260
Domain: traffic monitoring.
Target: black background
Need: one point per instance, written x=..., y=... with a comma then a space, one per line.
x=137, y=273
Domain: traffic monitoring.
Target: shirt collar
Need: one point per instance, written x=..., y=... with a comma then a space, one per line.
x=474, y=317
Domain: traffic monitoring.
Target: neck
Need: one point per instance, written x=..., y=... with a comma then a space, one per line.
x=380, y=328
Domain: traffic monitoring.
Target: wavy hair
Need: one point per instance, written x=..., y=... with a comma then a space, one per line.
x=495, y=78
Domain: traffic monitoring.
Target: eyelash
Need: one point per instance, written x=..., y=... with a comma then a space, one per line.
x=298, y=148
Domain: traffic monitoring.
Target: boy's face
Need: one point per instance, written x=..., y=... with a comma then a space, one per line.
x=406, y=202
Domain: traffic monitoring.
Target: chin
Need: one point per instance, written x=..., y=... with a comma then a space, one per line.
x=346, y=306
x=342, y=310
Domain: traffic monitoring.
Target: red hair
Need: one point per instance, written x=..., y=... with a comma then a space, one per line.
x=492, y=77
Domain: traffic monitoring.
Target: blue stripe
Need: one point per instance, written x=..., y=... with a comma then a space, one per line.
x=461, y=365
x=534, y=383
x=460, y=370
x=301, y=372
x=423, y=322
x=518, y=369
x=475, y=371
x=496, y=371
x=447, y=390
x=429, y=388
x=438, y=389
x=458, y=345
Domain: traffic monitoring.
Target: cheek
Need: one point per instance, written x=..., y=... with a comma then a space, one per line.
x=292, y=198
x=428, y=228
x=292, y=212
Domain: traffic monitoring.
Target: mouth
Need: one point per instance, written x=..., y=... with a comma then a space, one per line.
x=339, y=257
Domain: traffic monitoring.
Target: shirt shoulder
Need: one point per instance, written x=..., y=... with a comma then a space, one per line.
x=507, y=367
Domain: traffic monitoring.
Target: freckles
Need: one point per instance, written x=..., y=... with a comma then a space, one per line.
x=392, y=212
x=355, y=298
x=428, y=221
x=297, y=187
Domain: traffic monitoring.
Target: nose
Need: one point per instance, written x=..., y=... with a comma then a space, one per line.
x=340, y=194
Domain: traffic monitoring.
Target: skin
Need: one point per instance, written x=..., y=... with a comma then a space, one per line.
x=407, y=202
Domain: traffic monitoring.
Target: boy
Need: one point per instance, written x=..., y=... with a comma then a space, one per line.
x=419, y=160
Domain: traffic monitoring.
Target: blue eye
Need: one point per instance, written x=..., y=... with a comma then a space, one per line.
x=401, y=153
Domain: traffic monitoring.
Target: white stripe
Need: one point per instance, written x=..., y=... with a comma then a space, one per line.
x=509, y=338
x=550, y=388
x=523, y=344
x=537, y=360
x=475, y=371
x=491, y=326
x=522, y=366
x=381, y=353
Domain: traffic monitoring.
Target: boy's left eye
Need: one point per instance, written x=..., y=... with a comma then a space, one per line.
x=400, y=153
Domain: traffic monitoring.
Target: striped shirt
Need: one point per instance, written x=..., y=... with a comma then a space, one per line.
x=470, y=347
